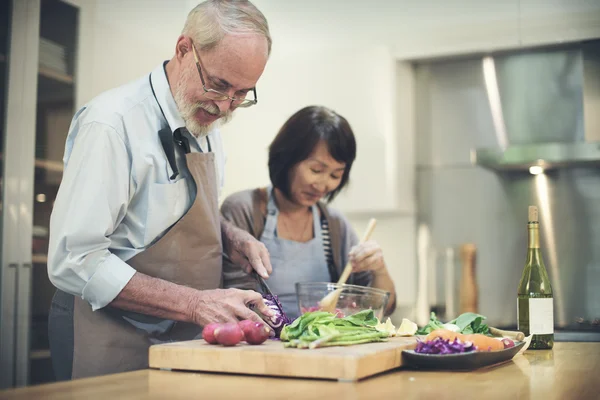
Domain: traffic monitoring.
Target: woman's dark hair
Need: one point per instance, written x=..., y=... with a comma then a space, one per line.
x=299, y=136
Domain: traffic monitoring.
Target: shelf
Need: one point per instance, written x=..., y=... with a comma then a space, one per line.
x=50, y=165
x=55, y=75
x=50, y=73
x=39, y=354
x=39, y=258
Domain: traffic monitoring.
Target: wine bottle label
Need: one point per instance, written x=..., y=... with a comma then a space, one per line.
x=541, y=316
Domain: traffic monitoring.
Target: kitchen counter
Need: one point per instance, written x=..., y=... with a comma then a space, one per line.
x=569, y=371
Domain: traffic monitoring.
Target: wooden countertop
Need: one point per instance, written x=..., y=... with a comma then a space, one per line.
x=569, y=371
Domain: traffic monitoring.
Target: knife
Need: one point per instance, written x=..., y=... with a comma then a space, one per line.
x=519, y=336
x=266, y=289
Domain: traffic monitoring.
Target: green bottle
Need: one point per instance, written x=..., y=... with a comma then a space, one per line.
x=535, y=307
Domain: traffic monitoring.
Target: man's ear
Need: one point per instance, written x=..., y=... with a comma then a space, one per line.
x=183, y=47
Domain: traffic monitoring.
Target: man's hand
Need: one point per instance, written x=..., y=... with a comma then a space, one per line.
x=163, y=299
x=226, y=305
x=244, y=250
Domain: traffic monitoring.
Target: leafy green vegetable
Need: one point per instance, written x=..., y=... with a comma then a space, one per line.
x=365, y=317
x=451, y=327
x=467, y=323
x=433, y=325
x=471, y=323
x=322, y=329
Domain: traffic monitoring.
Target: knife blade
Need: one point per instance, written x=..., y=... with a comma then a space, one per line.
x=266, y=289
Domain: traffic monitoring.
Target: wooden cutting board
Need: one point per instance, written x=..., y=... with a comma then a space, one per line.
x=271, y=358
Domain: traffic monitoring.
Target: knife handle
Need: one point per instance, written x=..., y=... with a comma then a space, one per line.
x=518, y=336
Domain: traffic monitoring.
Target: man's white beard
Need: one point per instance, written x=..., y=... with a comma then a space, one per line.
x=188, y=110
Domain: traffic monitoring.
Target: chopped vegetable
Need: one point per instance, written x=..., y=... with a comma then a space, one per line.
x=407, y=328
x=387, y=327
x=278, y=320
x=482, y=342
x=466, y=323
x=444, y=346
x=322, y=329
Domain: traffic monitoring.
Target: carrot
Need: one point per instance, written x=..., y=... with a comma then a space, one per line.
x=444, y=334
x=483, y=343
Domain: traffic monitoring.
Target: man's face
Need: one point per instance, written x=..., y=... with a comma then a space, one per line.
x=233, y=68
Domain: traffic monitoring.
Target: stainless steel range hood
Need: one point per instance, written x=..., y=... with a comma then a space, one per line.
x=543, y=155
x=545, y=108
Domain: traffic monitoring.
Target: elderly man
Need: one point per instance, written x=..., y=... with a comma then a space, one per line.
x=136, y=239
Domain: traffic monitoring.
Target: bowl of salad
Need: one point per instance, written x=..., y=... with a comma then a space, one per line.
x=352, y=298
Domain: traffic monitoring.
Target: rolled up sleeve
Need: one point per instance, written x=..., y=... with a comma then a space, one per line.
x=90, y=204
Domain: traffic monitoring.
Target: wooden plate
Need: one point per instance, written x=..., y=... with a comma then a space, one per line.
x=461, y=361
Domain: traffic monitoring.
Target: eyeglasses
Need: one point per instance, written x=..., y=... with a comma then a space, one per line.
x=220, y=96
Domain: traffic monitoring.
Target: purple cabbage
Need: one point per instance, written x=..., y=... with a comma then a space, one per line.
x=277, y=321
x=444, y=346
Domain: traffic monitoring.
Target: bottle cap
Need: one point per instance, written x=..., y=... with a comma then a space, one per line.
x=533, y=214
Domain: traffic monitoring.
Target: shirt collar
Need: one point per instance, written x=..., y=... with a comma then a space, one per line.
x=165, y=99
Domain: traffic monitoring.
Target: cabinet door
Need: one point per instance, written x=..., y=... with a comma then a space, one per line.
x=20, y=64
x=37, y=60
x=557, y=21
x=54, y=111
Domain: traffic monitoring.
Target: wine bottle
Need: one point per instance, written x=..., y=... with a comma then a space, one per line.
x=535, y=307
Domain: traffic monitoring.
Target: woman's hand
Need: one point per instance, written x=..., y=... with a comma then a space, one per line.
x=367, y=256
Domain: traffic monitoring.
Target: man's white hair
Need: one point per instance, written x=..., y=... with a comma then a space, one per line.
x=211, y=20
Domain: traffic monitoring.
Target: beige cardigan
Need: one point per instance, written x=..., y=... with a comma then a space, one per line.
x=248, y=209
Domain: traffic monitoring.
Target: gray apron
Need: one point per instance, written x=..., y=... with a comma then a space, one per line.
x=112, y=340
x=293, y=261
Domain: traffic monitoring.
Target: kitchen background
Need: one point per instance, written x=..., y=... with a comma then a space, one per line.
x=451, y=101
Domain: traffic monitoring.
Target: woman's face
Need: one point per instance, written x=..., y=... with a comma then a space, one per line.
x=316, y=176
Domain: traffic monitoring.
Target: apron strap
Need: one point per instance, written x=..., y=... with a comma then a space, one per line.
x=272, y=212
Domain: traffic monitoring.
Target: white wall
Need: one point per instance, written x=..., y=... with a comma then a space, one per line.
x=343, y=54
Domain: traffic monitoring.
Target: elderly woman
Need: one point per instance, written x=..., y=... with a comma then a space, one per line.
x=308, y=241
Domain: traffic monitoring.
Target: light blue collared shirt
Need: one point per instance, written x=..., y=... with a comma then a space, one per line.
x=116, y=197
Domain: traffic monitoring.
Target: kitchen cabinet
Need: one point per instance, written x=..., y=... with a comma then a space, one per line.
x=437, y=28
x=37, y=60
x=558, y=21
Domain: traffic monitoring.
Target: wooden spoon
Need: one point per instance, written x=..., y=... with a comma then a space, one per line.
x=329, y=302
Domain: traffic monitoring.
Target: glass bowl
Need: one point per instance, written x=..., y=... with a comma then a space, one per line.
x=351, y=300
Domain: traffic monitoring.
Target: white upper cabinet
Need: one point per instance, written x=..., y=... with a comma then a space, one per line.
x=556, y=21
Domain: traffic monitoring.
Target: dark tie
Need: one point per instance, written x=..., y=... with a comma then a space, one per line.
x=181, y=140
